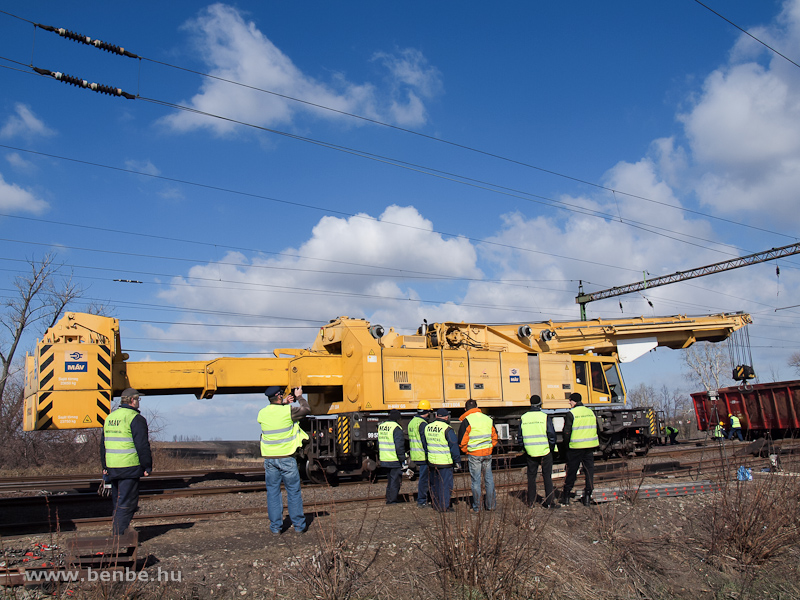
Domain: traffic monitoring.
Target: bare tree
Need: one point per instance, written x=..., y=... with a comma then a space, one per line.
x=708, y=365
x=42, y=296
x=794, y=361
x=674, y=403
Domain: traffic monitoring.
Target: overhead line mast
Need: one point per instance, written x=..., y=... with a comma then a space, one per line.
x=743, y=261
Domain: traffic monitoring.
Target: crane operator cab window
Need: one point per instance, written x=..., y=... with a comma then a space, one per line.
x=598, y=382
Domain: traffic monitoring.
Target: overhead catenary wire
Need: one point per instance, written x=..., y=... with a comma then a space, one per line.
x=452, y=177
x=536, y=167
x=359, y=216
x=110, y=48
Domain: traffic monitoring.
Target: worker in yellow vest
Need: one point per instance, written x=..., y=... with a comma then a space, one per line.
x=281, y=436
x=392, y=453
x=719, y=432
x=736, y=428
x=125, y=453
x=477, y=438
x=441, y=449
x=538, y=437
x=416, y=428
x=580, y=432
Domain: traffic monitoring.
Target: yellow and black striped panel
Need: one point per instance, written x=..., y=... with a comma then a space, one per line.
x=72, y=388
x=103, y=368
x=651, y=418
x=46, y=367
x=72, y=410
x=343, y=434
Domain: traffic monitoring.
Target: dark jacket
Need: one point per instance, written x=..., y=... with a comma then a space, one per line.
x=399, y=447
x=141, y=441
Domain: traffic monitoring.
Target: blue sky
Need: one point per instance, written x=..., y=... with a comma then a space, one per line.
x=474, y=183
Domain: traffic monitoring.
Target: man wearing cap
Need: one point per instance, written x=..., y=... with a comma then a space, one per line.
x=538, y=437
x=392, y=453
x=416, y=429
x=580, y=431
x=126, y=457
x=281, y=436
x=477, y=438
x=441, y=450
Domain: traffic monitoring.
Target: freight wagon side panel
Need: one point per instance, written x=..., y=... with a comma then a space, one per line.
x=771, y=407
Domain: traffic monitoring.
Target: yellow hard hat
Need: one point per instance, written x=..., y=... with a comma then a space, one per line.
x=424, y=405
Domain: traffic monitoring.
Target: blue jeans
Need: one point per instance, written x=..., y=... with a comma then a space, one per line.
x=125, y=499
x=285, y=470
x=441, y=487
x=422, y=486
x=481, y=466
x=736, y=431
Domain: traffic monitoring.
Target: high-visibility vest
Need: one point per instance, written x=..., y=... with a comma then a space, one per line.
x=671, y=430
x=534, y=433
x=718, y=431
x=417, y=452
x=480, y=432
x=584, y=428
x=438, y=448
x=118, y=439
x=386, y=448
x=280, y=436
x=735, y=422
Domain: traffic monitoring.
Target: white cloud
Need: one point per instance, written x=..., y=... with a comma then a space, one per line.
x=13, y=198
x=330, y=280
x=237, y=50
x=24, y=124
x=743, y=130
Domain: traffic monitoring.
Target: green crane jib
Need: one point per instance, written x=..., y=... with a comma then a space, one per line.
x=752, y=259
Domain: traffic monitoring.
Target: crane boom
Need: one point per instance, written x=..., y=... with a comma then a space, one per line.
x=743, y=261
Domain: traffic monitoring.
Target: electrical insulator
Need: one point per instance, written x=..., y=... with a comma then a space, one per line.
x=95, y=87
x=85, y=39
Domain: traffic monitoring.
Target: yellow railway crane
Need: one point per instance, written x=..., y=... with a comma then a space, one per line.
x=354, y=372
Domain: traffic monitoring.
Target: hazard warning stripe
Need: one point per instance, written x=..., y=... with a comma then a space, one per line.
x=46, y=370
x=43, y=412
x=47, y=362
x=45, y=380
x=343, y=433
x=102, y=360
x=104, y=377
x=104, y=367
x=659, y=491
x=44, y=349
x=104, y=404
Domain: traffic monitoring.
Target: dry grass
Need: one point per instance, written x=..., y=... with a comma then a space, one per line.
x=754, y=521
x=740, y=543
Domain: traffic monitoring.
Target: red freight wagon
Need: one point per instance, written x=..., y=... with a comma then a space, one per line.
x=762, y=408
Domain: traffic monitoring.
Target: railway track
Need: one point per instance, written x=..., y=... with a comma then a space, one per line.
x=663, y=464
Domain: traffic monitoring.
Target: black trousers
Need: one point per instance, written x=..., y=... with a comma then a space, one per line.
x=575, y=458
x=546, y=462
x=125, y=496
x=395, y=475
